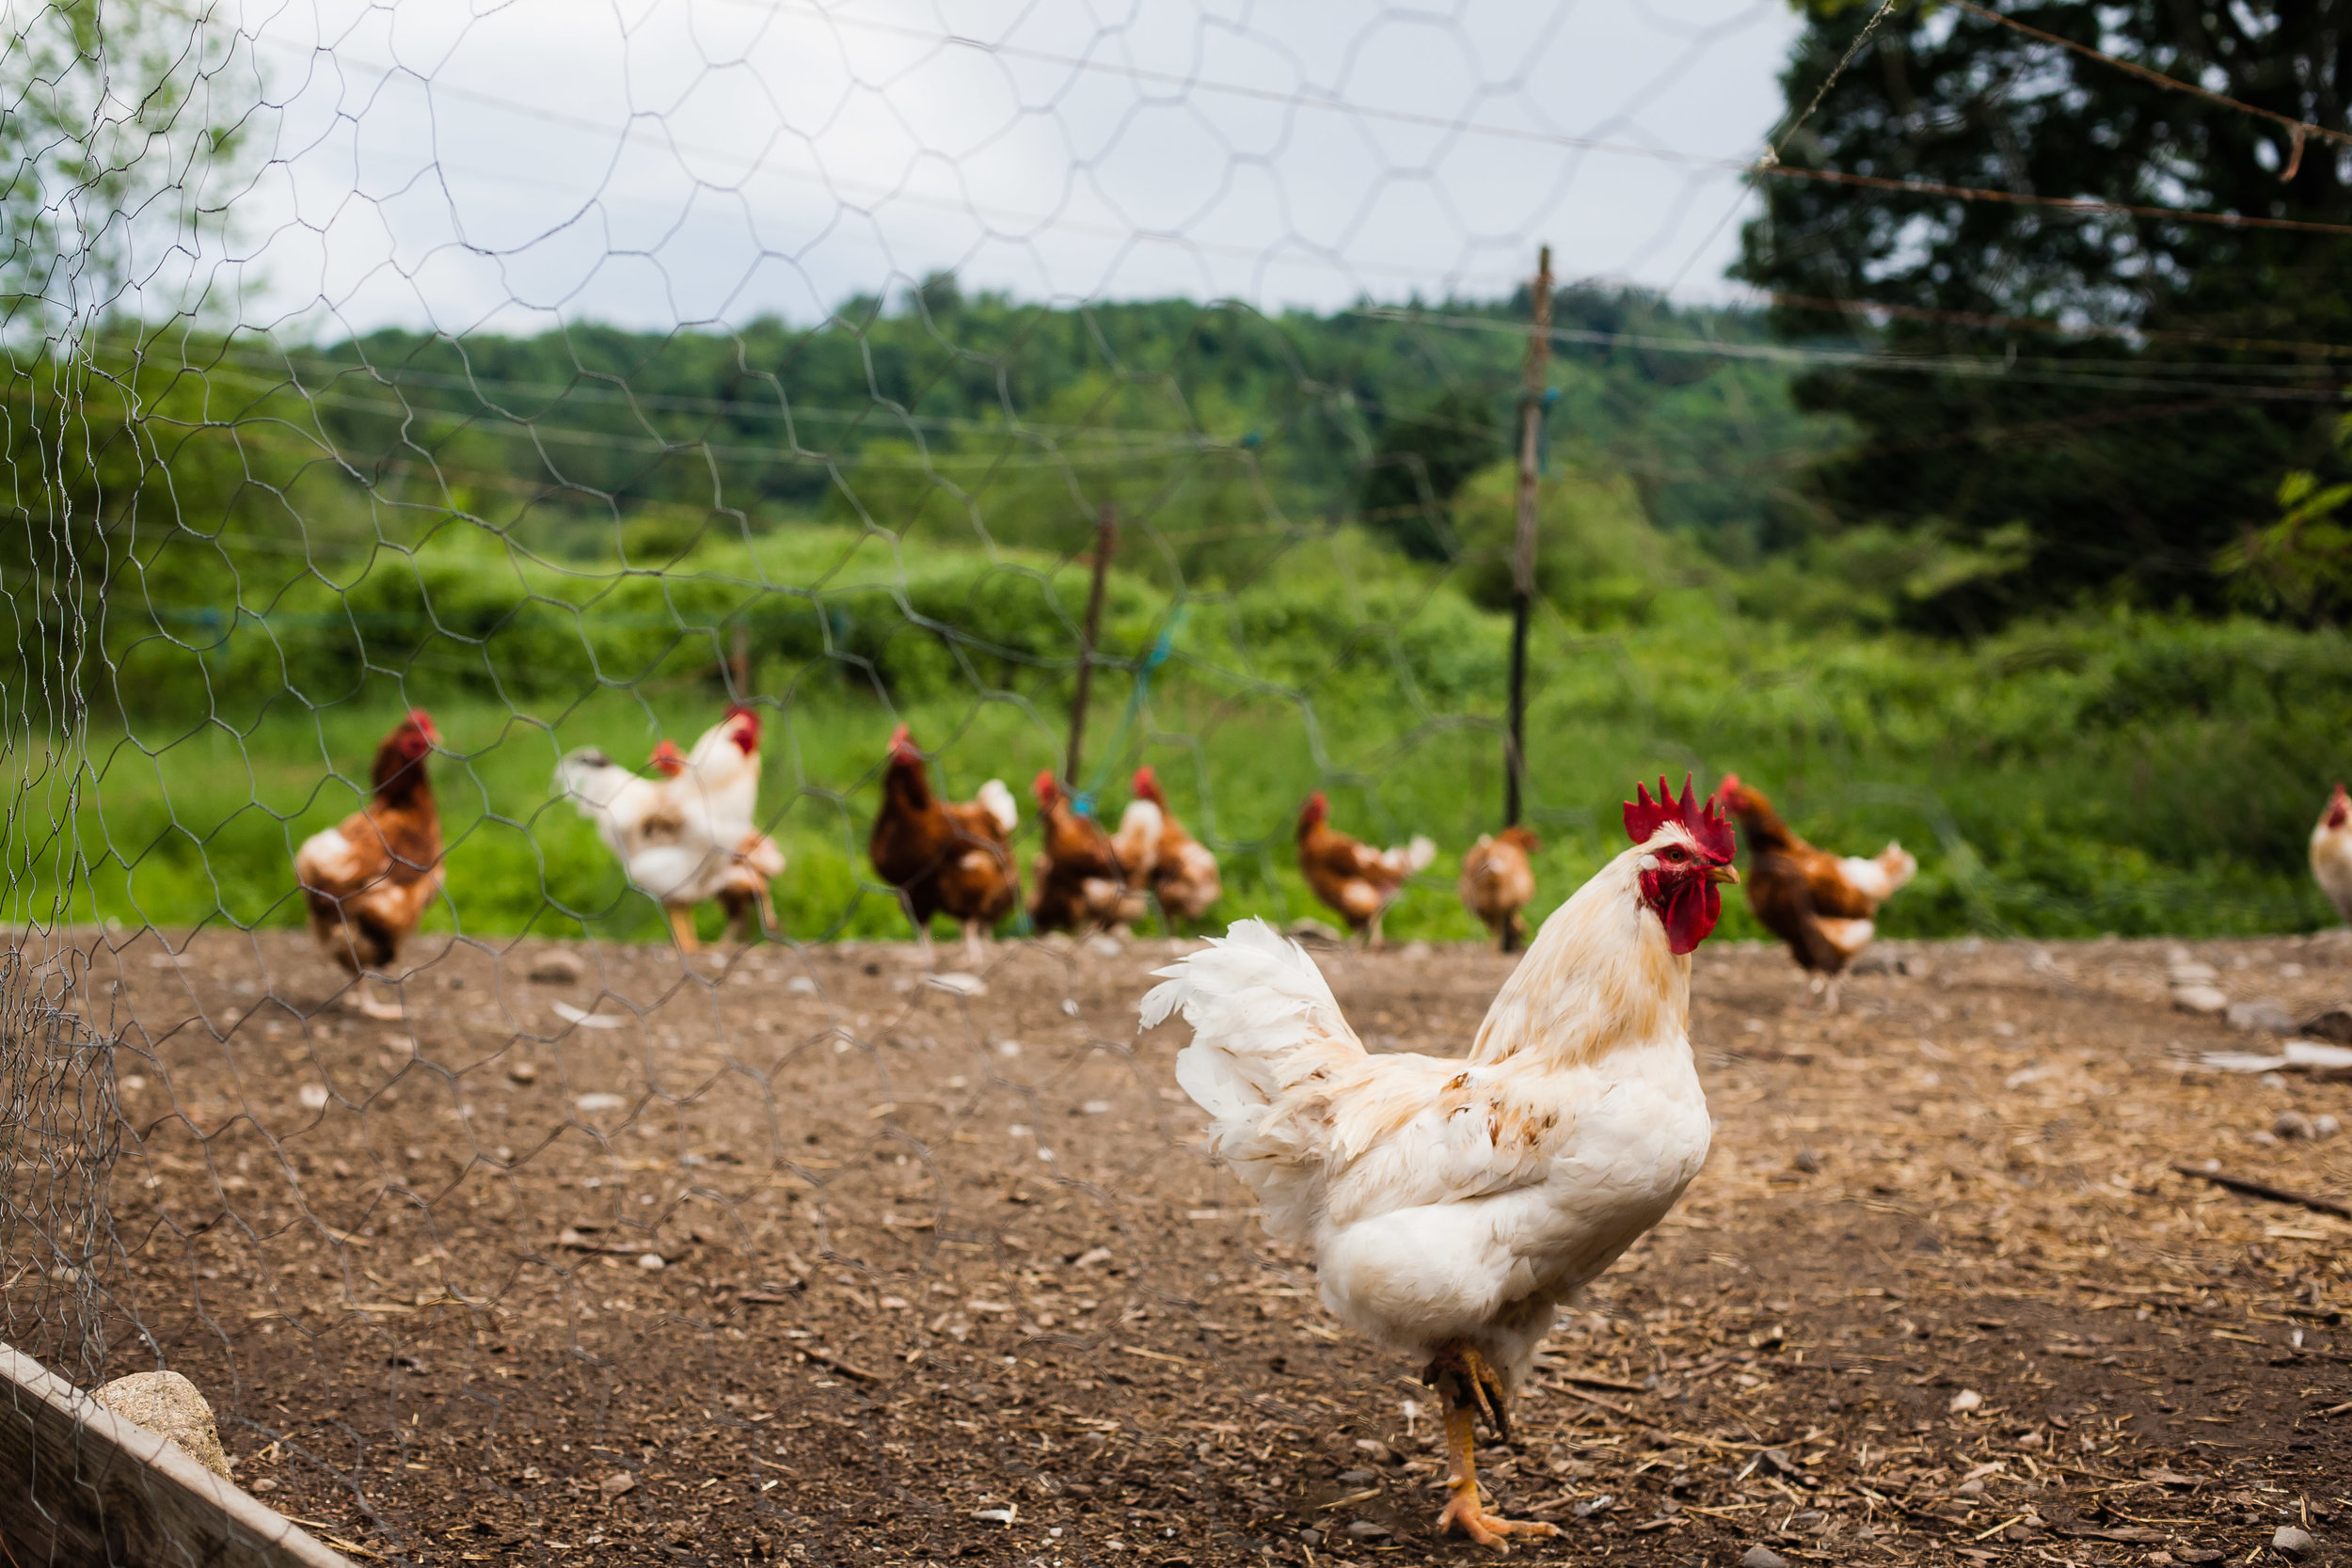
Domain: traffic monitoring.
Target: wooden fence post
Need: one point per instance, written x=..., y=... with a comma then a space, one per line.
x=1523, y=544
x=1106, y=543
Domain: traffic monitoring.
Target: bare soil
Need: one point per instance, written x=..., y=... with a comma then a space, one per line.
x=811, y=1260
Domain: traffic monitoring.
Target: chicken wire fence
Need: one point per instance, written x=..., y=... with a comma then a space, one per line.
x=607, y=1244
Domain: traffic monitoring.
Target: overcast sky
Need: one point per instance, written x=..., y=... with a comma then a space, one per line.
x=429, y=162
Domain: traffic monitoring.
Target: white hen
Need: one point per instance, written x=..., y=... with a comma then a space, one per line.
x=686, y=837
x=1451, y=1205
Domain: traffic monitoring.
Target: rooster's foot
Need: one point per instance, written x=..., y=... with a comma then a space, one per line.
x=1464, y=1512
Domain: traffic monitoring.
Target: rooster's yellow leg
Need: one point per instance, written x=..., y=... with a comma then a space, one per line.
x=1469, y=1385
x=1463, y=1510
x=682, y=927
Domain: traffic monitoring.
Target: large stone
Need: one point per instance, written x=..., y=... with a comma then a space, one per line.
x=169, y=1405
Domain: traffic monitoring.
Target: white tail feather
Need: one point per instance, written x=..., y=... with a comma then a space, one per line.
x=1138, y=842
x=1263, y=1020
x=998, y=800
x=1412, y=857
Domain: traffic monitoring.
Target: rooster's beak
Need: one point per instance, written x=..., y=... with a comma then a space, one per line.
x=1722, y=873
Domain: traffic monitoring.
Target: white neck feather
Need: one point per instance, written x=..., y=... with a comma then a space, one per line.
x=1600, y=975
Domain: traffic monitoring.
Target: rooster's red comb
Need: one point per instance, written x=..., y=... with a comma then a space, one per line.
x=1707, y=829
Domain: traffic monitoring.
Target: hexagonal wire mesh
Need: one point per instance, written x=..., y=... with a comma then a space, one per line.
x=569, y=379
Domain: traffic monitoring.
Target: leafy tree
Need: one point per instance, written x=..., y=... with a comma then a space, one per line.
x=1598, y=559
x=2129, y=455
x=119, y=123
x=2302, y=563
x=119, y=131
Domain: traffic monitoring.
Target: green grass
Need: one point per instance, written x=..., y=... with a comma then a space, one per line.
x=2130, y=772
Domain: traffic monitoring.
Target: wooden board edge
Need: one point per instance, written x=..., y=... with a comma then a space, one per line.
x=280, y=1542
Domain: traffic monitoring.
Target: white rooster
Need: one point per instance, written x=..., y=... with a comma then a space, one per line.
x=688, y=836
x=1449, y=1205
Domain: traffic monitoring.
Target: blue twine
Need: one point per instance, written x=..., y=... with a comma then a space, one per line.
x=1162, y=646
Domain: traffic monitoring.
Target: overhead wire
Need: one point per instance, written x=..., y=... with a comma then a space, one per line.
x=2299, y=130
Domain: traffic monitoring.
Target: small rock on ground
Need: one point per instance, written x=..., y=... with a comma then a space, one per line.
x=2200, y=998
x=558, y=969
x=169, y=1405
x=2268, y=1015
x=2293, y=1542
x=1762, y=1556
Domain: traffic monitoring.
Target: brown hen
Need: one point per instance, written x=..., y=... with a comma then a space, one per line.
x=1087, y=878
x=944, y=857
x=1823, y=906
x=366, y=881
x=1184, y=870
x=1356, y=881
x=1497, y=880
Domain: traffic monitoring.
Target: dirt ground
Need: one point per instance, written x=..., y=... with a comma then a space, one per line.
x=810, y=1258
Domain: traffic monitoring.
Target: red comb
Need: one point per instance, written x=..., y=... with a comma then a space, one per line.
x=1707, y=829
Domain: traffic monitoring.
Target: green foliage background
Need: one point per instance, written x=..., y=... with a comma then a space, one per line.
x=2128, y=772
x=557, y=542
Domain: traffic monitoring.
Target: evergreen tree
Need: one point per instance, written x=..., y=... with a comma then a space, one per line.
x=2130, y=459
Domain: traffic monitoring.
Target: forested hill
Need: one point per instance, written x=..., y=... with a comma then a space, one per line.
x=1018, y=419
